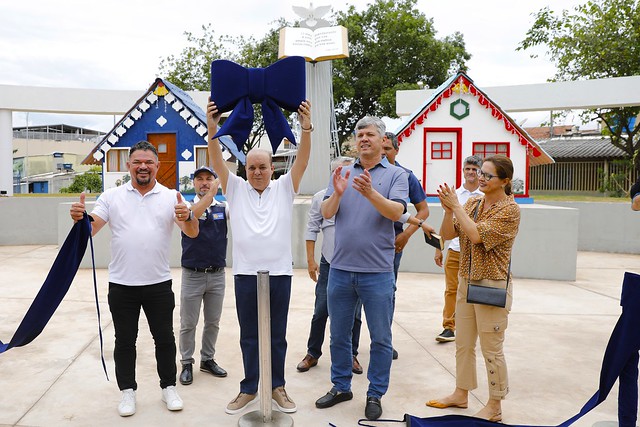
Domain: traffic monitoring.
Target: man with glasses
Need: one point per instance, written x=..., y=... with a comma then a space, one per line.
x=471, y=171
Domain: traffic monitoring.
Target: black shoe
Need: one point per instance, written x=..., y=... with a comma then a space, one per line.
x=213, y=368
x=333, y=397
x=373, y=410
x=186, y=376
x=446, y=336
x=395, y=354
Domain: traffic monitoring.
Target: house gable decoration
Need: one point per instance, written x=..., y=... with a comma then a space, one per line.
x=435, y=141
x=168, y=118
x=462, y=84
x=177, y=99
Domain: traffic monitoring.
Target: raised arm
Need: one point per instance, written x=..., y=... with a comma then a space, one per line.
x=330, y=206
x=213, y=146
x=304, y=147
x=185, y=219
x=206, y=200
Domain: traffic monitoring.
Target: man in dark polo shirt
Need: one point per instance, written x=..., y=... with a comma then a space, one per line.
x=203, y=278
x=366, y=199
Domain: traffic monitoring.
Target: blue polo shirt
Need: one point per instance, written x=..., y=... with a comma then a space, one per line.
x=364, y=239
x=416, y=194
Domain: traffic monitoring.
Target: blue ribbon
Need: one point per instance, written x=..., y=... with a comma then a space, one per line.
x=55, y=287
x=280, y=85
x=620, y=361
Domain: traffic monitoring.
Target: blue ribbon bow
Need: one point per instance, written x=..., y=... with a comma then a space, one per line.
x=280, y=85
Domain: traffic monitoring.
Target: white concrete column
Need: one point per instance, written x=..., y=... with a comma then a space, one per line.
x=6, y=153
x=319, y=92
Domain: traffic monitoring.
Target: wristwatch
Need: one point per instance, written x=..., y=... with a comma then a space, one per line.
x=420, y=223
x=190, y=216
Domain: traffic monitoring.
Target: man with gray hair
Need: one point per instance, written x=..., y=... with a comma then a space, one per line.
x=320, y=275
x=470, y=187
x=365, y=200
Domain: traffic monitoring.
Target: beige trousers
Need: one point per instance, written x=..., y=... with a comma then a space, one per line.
x=488, y=323
x=451, y=265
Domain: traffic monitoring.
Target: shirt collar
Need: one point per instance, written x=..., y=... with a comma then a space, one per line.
x=384, y=162
x=130, y=187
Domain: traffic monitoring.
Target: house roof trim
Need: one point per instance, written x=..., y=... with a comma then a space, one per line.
x=461, y=82
x=179, y=100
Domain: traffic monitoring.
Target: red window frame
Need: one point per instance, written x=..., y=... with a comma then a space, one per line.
x=485, y=149
x=441, y=150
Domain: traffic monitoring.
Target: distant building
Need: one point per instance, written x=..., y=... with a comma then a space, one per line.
x=48, y=157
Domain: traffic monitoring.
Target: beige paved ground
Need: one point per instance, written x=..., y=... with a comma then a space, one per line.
x=555, y=342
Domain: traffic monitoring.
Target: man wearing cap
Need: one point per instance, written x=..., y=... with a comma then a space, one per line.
x=203, y=278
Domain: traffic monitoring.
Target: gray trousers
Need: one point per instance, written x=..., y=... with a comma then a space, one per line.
x=197, y=288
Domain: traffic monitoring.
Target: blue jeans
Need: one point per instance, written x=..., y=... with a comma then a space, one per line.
x=396, y=266
x=375, y=290
x=321, y=314
x=247, y=309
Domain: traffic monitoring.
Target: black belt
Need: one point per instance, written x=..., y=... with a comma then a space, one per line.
x=205, y=269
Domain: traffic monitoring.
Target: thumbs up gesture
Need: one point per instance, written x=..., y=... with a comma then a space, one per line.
x=77, y=209
x=181, y=210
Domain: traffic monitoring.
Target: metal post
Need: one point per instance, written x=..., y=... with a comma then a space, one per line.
x=265, y=416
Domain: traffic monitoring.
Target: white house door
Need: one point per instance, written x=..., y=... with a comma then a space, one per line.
x=442, y=147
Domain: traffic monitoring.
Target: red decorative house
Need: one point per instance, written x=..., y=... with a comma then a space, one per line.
x=459, y=120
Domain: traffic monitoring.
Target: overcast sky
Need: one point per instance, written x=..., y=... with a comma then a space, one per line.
x=118, y=44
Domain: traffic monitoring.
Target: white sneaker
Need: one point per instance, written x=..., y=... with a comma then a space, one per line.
x=171, y=398
x=127, y=406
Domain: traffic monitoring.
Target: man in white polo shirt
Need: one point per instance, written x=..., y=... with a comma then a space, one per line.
x=260, y=214
x=141, y=215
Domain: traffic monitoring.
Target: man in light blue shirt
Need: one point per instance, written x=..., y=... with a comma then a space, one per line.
x=366, y=200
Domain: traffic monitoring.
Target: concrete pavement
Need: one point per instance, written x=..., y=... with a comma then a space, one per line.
x=554, y=345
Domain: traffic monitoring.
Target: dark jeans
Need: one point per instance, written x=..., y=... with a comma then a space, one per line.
x=158, y=303
x=247, y=308
x=321, y=314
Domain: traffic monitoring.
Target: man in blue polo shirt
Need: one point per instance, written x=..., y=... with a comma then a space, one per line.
x=365, y=200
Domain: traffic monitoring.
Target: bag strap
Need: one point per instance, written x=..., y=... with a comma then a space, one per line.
x=475, y=217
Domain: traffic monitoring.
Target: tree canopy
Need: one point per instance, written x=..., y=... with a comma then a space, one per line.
x=598, y=39
x=90, y=181
x=392, y=46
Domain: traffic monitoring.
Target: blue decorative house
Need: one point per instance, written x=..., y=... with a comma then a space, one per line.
x=168, y=118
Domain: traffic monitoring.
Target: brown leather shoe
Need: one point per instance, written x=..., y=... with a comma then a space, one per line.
x=356, y=368
x=307, y=363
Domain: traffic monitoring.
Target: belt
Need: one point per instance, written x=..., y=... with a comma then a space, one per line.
x=205, y=269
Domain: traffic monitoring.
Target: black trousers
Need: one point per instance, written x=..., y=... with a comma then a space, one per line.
x=158, y=302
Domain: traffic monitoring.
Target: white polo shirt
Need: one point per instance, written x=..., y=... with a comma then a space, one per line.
x=141, y=229
x=261, y=226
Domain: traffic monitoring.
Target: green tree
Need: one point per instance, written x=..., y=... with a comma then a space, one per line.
x=392, y=46
x=599, y=39
x=90, y=181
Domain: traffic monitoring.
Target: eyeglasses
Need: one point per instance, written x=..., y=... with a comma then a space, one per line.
x=487, y=175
